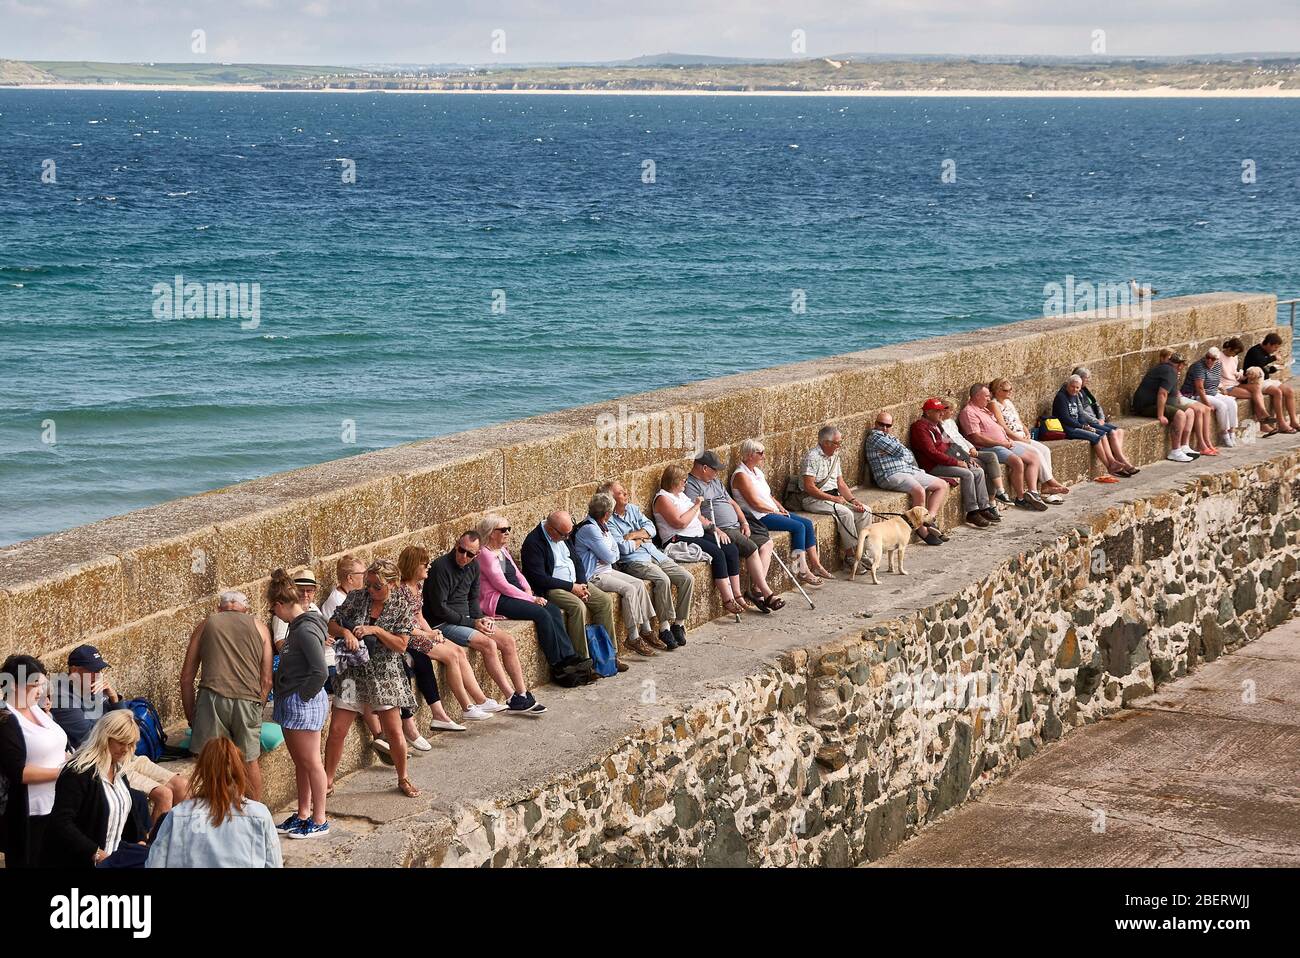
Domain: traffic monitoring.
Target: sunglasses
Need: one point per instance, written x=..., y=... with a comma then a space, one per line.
x=466, y=553
x=884, y=425
x=375, y=586
x=503, y=529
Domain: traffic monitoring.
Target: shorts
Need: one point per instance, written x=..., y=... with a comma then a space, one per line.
x=460, y=634
x=144, y=775
x=1171, y=406
x=907, y=481
x=292, y=714
x=1005, y=452
x=747, y=545
x=239, y=720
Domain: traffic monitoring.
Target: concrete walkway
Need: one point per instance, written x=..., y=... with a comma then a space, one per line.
x=373, y=825
x=1205, y=773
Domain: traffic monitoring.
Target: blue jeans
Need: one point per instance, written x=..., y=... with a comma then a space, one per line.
x=800, y=529
x=1072, y=432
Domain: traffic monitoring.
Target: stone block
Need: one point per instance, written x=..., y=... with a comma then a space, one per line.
x=790, y=404
x=538, y=466
x=62, y=609
x=867, y=383
x=449, y=485
x=249, y=547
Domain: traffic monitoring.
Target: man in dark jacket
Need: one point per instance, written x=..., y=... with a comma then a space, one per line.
x=450, y=605
x=1264, y=355
x=939, y=457
x=552, y=568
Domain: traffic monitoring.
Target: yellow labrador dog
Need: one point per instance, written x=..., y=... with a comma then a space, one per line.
x=888, y=537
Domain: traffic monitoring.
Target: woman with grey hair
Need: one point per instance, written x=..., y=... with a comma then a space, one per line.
x=597, y=550
x=750, y=487
x=1202, y=383
x=1068, y=407
x=1096, y=416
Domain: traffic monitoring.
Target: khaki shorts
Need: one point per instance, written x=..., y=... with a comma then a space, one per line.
x=239, y=720
x=144, y=775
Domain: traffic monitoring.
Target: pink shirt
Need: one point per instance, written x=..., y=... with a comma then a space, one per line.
x=972, y=419
x=492, y=583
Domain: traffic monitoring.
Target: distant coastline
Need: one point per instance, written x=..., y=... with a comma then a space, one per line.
x=1275, y=92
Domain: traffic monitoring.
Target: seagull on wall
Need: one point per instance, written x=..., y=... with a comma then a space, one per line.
x=1140, y=292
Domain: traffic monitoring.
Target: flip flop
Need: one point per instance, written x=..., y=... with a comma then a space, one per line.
x=1107, y=479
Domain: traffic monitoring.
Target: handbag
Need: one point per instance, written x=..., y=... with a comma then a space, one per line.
x=601, y=649
x=685, y=552
x=1049, y=428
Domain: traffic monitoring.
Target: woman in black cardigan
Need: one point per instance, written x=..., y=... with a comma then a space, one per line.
x=23, y=682
x=92, y=805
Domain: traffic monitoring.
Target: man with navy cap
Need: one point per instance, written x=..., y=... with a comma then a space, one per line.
x=80, y=698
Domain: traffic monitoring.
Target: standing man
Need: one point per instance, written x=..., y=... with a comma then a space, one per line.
x=825, y=491
x=551, y=566
x=640, y=557
x=230, y=654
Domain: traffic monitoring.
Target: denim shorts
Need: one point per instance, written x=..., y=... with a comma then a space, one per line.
x=460, y=634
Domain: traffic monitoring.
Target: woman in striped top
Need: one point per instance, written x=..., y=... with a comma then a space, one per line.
x=1202, y=383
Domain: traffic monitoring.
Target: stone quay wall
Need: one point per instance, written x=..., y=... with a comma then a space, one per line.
x=835, y=755
x=135, y=585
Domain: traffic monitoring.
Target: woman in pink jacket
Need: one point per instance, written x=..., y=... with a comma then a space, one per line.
x=506, y=594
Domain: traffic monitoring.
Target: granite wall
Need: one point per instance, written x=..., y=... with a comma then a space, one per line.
x=835, y=755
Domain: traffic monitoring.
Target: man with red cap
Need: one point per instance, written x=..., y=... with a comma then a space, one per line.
x=937, y=455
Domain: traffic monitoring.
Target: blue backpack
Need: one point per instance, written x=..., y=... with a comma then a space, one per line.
x=152, y=736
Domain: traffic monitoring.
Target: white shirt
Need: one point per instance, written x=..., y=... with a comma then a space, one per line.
x=332, y=602
x=563, y=561
x=119, y=807
x=1012, y=418
x=683, y=502
x=949, y=427
x=824, y=469
x=47, y=747
x=760, y=483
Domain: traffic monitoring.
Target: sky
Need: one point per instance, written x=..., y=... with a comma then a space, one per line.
x=462, y=31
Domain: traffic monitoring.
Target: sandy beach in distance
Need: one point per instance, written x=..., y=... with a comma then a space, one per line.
x=1154, y=92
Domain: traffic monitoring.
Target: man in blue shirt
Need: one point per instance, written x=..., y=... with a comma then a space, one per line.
x=641, y=558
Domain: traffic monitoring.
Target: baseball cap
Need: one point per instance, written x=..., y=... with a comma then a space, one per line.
x=709, y=459
x=86, y=657
x=933, y=403
x=1177, y=360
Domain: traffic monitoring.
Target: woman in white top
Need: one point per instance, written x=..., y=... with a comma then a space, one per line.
x=677, y=519
x=92, y=814
x=33, y=750
x=751, y=490
x=1005, y=412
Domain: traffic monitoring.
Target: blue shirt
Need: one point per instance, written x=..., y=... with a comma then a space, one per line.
x=888, y=457
x=563, y=563
x=187, y=839
x=597, y=549
x=629, y=522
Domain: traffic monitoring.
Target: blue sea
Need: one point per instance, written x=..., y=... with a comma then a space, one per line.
x=376, y=297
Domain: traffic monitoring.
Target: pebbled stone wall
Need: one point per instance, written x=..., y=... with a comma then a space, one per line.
x=836, y=755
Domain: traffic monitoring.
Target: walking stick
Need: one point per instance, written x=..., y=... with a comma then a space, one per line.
x=793, y=579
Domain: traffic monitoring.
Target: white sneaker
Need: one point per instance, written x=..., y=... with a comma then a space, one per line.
x=438, y=725
x=1178, y=456
x=421, y=744
x=492, y=705
x=1189, y=452
x=475, y=713
x=1229, y=440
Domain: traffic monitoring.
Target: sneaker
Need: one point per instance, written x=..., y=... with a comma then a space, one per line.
x=525, y=705
x=492, y=705
x=1028, y=502
x=438, y=725
x=679, y=633
x=1229, y=440
x=310, y=829
x=667, y=640
x=538, y=709
x=290, y=823
x=476, y=713
x=1189, y=451
x=1178, y=456
x=1003, y=498
x=420, y=743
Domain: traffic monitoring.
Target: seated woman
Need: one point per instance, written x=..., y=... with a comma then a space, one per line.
x=429, y=645
x=751, y=490
x=217, y=827
x=1233, y=382
x=1068, y=408
x=92, y=814
x=597, y=550
x=677, y=519
x=1202, y=383
x=505, y=593
x=1094, y=415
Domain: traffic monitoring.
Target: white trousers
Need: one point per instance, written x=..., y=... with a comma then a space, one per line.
x=1225, y=411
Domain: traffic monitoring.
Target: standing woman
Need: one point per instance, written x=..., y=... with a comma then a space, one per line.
x=382, y=616
x=677, y=519
x=92, y=814
x=301, y=702
x=751, y=489
x=33, y=750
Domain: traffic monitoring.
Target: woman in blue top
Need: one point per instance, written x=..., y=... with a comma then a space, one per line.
x=597, y=550
x=1069, y=408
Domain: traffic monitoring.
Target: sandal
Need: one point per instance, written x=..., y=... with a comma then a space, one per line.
x=407, y=788
x=811, y=581
x=758, y=602
x=734, y=607
x=775, y=602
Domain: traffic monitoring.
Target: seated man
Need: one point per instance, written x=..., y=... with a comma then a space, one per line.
x=753, y=541
x=80, y=698
x=640, y=557
x=893, y=467
x=985, y=432
x=450, y=605
x=824, y=490
x=1264, y=356
x=1157, y=395
x=1068, y=406
x=986, y=458
x=552, y=566
x=940, y=457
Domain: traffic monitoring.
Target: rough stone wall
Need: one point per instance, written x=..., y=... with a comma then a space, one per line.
x=835, y=756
